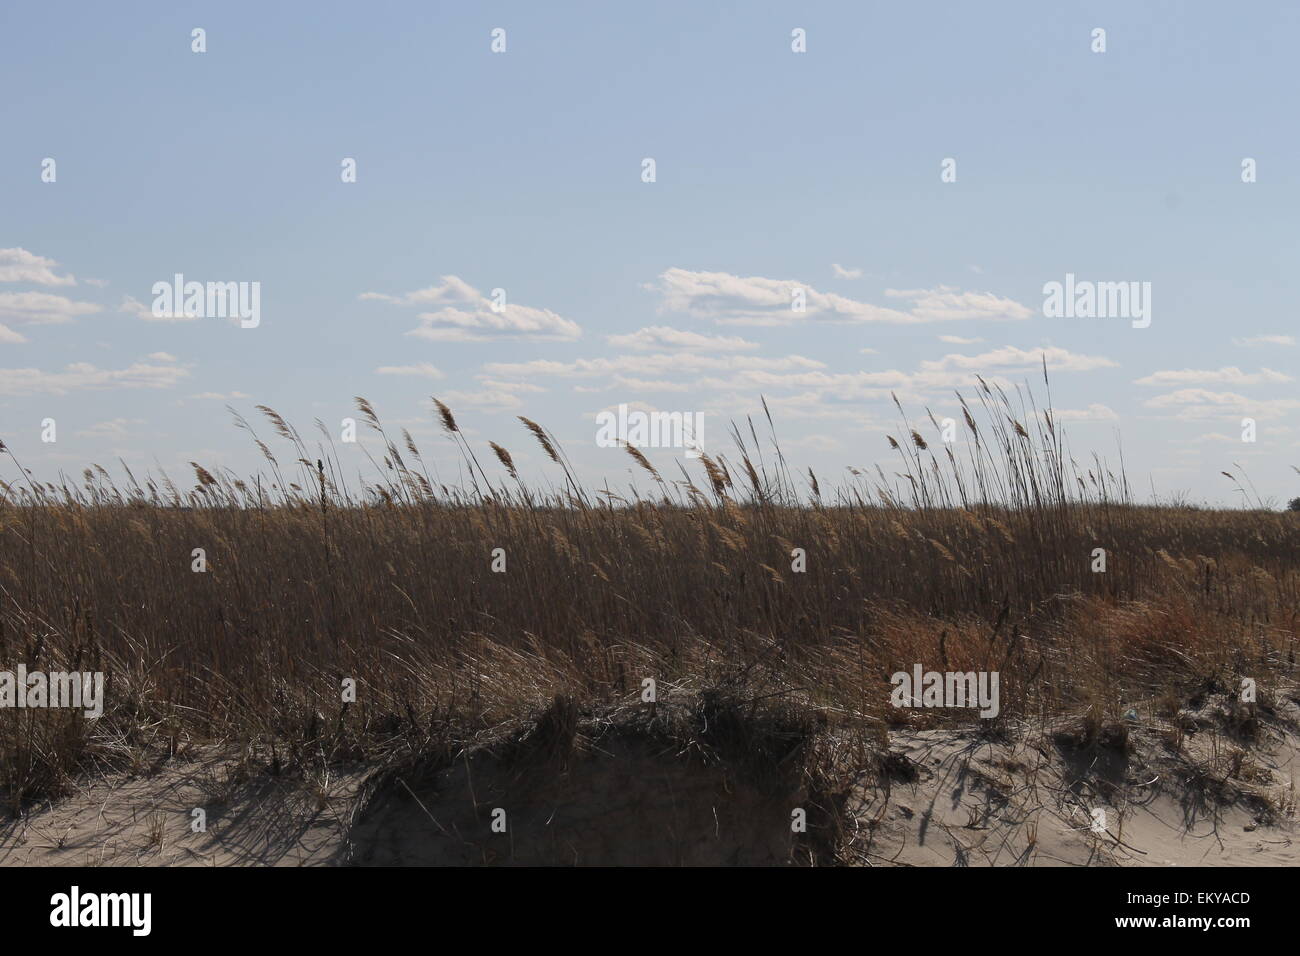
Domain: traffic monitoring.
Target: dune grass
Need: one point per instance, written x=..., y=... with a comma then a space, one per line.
x=972, y=555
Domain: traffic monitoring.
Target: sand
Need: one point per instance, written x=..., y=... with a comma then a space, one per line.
x=1177, y=792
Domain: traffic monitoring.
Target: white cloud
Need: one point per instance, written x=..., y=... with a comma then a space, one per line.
x=947, y=303
x=1095, y=412
x=423, y=369
x=1197, y=396
x=19, y=265
x=753, y=374
x=133, y=306
x=736, y=300
x=843, y=273
x=665, y=337
x=497, y=385
x=42, y=308
x=848, y=386
x=649, y=385
x=489, y=401
x=8, y=335
x=452, y=289
x=1199, y=403
x=958, y=340
x=115, y=428
x=812, y=406
x=1228, y=375
x=1058, y=359
x=82, y=375
x=632, y=406
x=466, y=315
x=655, y=364
x=161, y=357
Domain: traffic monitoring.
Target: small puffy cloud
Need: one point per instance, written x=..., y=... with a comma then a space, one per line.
x=422, y=369
x=161, y=357
x=466, y=315
x=843, y=273
x=42, y=308
x=659, y=337
x=1228, y=375
x=19, y=265
x=958, y=340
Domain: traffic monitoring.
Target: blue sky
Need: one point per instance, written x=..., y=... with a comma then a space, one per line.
x=522, y=171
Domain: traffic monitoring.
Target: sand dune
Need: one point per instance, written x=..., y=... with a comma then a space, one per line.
x=635, y=789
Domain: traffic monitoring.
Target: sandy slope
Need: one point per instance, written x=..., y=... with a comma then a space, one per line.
x=1199, y=796
x=146, y=820
x=980, y=803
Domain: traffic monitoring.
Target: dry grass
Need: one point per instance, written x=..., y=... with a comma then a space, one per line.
x=974, y=561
